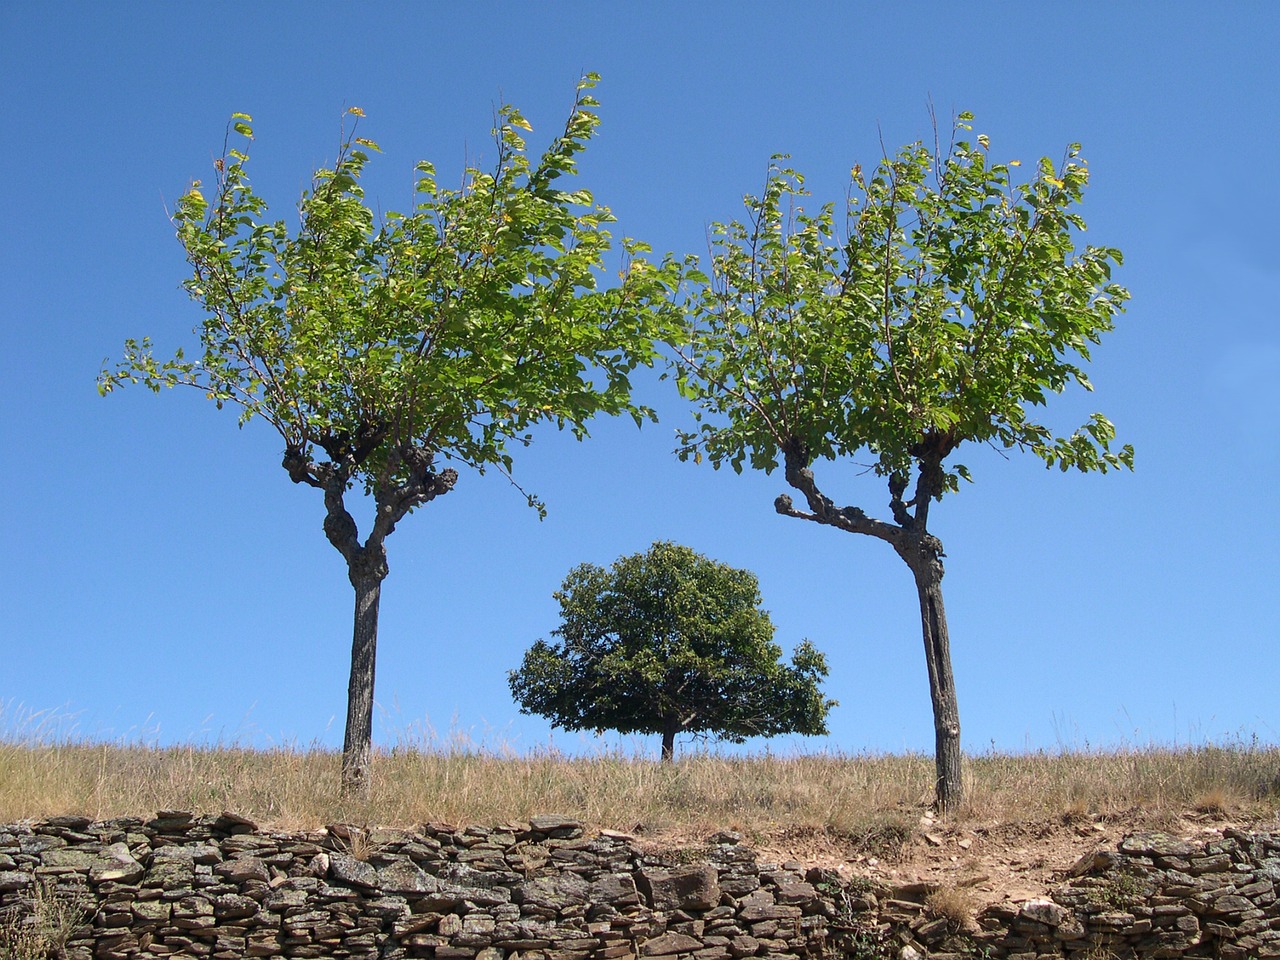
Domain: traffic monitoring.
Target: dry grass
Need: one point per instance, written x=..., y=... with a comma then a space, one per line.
x=42, y=930
x=956, y=905
x=871, y=801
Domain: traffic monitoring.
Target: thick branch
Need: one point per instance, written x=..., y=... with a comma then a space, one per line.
x=851, y=519
x=339, y=526
x=300, y=469
x=356, y=446
x=897, y=485
x=422, y=486
x=929, y=454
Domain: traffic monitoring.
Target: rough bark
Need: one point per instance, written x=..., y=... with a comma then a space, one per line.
x=922, y=552
x=948, y=788
x=357, y=744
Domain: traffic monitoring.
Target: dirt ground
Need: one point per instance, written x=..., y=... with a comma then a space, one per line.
x=996, y=861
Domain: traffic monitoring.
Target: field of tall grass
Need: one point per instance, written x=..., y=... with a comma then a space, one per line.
x=847, y=796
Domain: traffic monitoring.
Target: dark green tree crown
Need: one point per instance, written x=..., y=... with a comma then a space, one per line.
x=664, y=639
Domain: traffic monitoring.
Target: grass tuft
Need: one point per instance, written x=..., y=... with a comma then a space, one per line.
x=956, y=905
x=42, y=927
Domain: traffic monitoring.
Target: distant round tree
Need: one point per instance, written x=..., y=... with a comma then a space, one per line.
x=670, y=642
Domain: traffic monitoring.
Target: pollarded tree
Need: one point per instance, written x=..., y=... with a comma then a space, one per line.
x=950, y=302
x=378, y=348
x=669, y=642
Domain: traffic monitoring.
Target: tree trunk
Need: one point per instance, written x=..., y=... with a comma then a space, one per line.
x=948, y=787
x=367, y=563
x=669, y=730
x=357, y=745
x=922, y=553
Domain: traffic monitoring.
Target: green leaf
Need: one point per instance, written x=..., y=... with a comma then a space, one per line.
x=950, y=306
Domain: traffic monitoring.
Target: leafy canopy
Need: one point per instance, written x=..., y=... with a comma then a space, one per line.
x=452, y=328
x=669, y=640
x=944, y=303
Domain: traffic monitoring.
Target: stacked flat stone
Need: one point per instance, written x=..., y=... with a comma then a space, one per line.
x=1159, y=896
x=180, y=885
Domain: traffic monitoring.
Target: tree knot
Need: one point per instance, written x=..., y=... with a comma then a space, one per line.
x=445, y=480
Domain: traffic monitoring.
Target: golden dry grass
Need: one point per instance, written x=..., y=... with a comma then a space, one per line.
x=871, y=800
x=956, y=905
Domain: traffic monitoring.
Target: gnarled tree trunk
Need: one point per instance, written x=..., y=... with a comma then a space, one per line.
x=366, y=566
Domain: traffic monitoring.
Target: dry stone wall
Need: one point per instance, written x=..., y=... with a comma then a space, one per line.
x=218, y=887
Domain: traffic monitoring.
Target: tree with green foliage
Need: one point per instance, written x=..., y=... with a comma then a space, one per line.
x=382, y=349
x=943, y=305
x=670, y=642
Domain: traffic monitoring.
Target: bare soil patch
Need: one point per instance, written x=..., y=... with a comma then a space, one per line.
x=992, y=859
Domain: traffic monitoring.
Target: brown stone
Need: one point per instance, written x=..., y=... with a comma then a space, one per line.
x=669, y=943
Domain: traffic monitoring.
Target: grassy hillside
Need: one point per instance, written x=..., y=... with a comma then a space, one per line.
x=855, y=799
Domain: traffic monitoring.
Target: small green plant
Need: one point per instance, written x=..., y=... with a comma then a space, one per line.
x=864, y=943
x=44, y=929
x=1122, y=890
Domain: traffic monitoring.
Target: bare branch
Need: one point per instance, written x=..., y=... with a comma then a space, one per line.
x=849, y=519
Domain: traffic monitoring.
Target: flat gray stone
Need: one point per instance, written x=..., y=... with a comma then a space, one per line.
x=116, y=863
x=14, y=880
x=615, y=889
x=354, y=873
x=242, y=869
x=170, y=874
x=233, y=906
x=1044, y=911
x=405, y=878
x=553, y=893
x=558, y=827
x=1156, y=844
x=685, y=888
x=69, y=858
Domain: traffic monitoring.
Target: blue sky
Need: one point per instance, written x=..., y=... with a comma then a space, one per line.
x=161, y=578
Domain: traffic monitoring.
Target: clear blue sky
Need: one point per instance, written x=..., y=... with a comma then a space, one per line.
x=162, y=578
